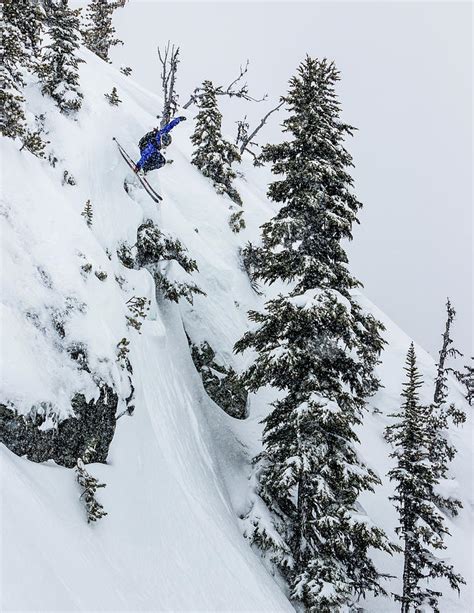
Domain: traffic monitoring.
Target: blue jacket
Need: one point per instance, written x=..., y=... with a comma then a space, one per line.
x=153, y=147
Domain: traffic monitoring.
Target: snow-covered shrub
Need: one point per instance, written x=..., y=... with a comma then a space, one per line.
x=236, y=221
x=166, y=258
x=90, y=485
x=138, y=307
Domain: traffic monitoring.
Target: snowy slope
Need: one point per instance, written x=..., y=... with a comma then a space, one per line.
x=178, y=469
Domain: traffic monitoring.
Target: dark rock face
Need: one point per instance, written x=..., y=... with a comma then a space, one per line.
x=221, y=383
x=94, y=422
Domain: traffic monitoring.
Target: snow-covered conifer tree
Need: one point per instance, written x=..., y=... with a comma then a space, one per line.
x=28, y=17
x=88, y=213
x=113, y=98
x=213, y=155
x=99, y=33
x=59, y=68
x=48, y=6
x=318, y=347
x=19, y=41
x=14, y=58
x=422, y=528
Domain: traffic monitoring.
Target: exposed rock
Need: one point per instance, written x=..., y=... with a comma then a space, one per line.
x=220, y=382
x=94, y=420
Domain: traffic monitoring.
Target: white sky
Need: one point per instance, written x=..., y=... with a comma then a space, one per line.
x=406, y=84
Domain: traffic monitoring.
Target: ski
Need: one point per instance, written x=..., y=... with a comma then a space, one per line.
x=148, y=188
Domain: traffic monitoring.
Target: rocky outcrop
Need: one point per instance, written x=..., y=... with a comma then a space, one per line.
x=93, y=421
x=221, y=383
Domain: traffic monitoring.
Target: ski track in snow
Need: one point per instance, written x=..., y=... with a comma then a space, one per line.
x=178, y=471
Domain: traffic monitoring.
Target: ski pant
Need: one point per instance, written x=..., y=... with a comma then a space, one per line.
x=155, y=161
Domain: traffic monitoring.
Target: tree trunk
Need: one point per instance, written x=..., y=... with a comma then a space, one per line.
x=301, y=520
x=406, y=596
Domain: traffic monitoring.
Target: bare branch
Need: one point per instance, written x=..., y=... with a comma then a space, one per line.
x=243, y=92
x=244, y=138
x=174, y=61
x=243, y=71
x=230, y=90
x=193, y=98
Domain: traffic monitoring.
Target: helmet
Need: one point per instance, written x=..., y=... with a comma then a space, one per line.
x=166, y=140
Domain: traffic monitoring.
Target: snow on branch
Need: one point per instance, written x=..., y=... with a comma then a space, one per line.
x=89, y=485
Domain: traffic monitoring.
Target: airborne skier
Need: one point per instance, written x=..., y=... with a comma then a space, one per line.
x=150, y=145
x=151, y=156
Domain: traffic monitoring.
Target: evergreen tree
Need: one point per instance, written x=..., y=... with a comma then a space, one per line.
x=59, y=68
x=28, y=18
x=113, y=97
x=18, y=40
x=88, y=213
x=48, y=7
x=213, y=155
x=14, y=59
x=317, y=346
x=422, y=527
x=99, y=33
x=442, y=414
x=315, y=192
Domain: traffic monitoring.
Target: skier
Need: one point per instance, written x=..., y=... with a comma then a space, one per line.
x=151, y=144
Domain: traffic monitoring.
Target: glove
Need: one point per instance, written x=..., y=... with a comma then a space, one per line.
x=182, y=118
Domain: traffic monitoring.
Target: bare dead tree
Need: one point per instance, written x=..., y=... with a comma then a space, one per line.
x=445, y=352
x=169, y=60
x=244, y=140
x=235, y=89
